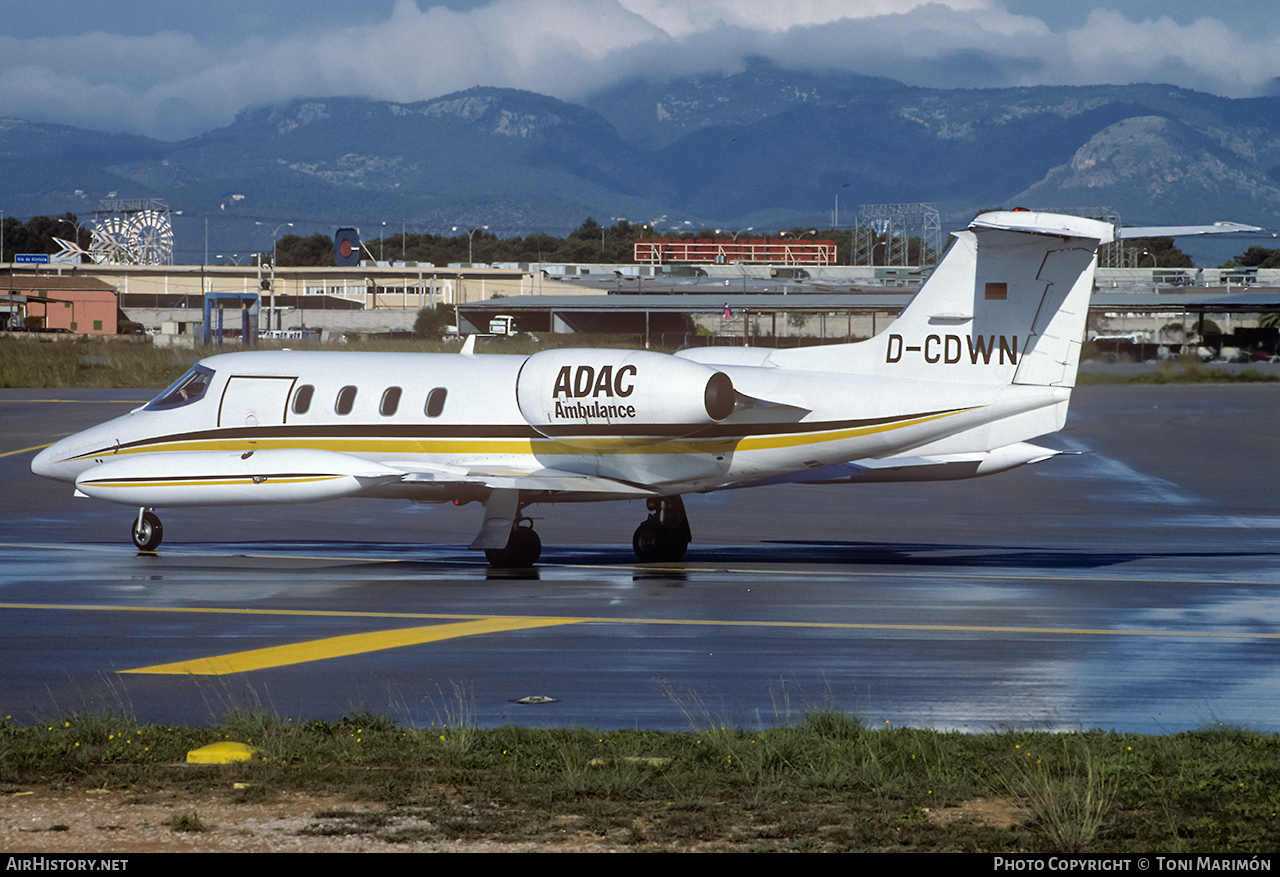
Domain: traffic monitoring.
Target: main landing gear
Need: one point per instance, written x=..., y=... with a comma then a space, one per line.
x=523, y=546
x=147, y=530
x=664, y=535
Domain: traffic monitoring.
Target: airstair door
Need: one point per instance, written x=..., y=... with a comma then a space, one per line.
x=255, y=401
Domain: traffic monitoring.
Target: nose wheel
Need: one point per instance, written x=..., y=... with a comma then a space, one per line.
x=664, y=536
x=147, y=531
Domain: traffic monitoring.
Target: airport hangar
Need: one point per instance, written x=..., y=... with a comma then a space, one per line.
x=765, y=303
x=755, y=318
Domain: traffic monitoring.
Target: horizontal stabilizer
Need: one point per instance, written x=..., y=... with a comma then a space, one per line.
x=1048, y=224
x=1177, y=231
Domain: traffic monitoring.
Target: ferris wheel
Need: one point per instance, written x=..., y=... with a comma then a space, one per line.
x=134, y=232
x=150, y=238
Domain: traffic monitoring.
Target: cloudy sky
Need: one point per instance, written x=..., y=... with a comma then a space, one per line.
x=171, y=70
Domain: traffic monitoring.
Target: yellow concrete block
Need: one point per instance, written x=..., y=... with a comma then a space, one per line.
x=222, y=753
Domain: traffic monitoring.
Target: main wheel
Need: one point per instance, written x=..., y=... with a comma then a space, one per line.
x=648, y=541
x=148, y=532
x=655, y=543
x=523, y=549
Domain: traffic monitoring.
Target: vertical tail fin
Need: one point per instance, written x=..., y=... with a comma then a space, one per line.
x=1006, y=305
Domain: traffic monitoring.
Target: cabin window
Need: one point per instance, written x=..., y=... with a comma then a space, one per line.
x=390, y=401
x=302, y=399
x=435, y=401
x=346, y=400
x=184, y=390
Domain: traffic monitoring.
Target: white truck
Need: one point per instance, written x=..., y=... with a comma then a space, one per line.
x=502, y=325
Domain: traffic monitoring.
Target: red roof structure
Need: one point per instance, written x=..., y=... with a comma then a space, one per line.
x=724, y=251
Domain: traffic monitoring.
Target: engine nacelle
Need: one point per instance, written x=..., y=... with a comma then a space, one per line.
x=581, y=396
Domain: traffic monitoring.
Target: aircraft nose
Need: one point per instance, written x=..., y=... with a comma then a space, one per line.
x=45, y=463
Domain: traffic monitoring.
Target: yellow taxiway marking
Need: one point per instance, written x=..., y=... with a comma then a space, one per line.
x=76, y=401
x=464, y=625
x=341, y=646
x=26, y=450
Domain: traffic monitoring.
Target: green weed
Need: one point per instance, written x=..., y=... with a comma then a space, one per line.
x=455, y=718
x=188, y=822
x=1068, y=788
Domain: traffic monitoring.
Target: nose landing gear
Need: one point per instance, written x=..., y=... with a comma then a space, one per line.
x=147, y=530
x=664, y=535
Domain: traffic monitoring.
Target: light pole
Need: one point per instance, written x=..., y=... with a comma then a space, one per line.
x=470, y=260
x=797, y=236
x=733, y=235
x=271, y=300
x=77, y=225
x=615, y=220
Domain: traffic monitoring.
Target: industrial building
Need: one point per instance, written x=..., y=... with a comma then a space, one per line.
x=799, y=299
x=85, y=305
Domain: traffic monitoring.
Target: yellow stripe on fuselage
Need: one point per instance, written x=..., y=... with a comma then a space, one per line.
x=351, y=446
x=756, y=443
x=211, y=482
x=528, y=447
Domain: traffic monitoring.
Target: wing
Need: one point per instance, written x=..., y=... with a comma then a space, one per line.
x=514, y=476
x=507, y=483
x=930, y=467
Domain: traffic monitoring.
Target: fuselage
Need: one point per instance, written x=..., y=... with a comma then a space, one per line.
x=454, y=412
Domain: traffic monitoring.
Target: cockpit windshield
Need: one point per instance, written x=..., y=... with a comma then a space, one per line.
x=184, y=390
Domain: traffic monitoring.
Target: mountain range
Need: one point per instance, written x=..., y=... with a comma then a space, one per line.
x=765, y=147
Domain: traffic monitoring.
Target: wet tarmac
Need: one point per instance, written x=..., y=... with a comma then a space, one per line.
x=1133, y=586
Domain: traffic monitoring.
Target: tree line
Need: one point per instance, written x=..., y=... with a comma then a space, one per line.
x=36, y=235
x=1256, y=257
x=589, y=243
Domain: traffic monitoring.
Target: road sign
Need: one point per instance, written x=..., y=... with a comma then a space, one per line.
x=32, y=258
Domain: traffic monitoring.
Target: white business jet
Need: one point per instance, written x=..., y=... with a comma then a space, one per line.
x=982, y=360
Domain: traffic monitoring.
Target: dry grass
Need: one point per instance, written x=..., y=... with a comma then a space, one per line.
x=823, y=782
